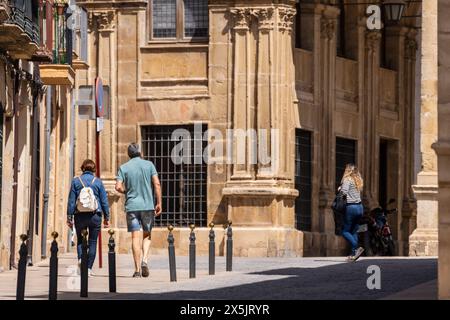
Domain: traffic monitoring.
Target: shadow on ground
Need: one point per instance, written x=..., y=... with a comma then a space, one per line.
x=340, y=281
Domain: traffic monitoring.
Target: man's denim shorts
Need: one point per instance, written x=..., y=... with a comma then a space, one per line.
x=136, y=219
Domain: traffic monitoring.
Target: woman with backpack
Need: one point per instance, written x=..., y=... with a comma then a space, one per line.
x=351, y=186
x=87, y=202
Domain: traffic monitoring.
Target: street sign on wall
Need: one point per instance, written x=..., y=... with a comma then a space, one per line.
x=87, y=105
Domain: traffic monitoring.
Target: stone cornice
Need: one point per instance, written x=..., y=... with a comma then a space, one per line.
x=113, y=4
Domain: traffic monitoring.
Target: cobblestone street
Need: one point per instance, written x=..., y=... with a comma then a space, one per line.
x=261, y=278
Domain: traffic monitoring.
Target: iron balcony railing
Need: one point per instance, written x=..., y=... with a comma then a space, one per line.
x=25, y=14
x=62, y=33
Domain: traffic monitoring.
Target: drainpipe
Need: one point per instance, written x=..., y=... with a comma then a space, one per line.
x=72, y=158
x=47, y=172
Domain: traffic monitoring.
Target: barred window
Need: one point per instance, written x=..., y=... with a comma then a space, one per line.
x=164, y=18
x=179, y=19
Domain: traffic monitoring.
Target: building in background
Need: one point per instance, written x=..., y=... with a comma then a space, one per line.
x=40, y=48
x=336, y=91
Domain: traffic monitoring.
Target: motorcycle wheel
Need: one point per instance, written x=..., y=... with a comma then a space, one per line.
x=390, y=248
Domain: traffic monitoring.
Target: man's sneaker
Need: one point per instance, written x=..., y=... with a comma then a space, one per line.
x=90, y=273
x=144, y=268
x=79, y=267
x=136, y=275
x=359, y=252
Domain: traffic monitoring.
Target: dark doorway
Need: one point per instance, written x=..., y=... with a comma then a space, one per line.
x=303, y=179
x=388, y=179
x=345, y=154
x=383, y=174
x=183, y=185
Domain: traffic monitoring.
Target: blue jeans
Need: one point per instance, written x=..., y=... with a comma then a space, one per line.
x=353, y=213
x=92, y=222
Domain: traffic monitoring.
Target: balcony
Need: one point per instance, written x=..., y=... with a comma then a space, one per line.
x=4, y=11
x=58, y=42
x=19, y=31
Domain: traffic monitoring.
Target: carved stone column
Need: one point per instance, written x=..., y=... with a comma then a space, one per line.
x=260, y=192
x=327, y=49
x=424, y=240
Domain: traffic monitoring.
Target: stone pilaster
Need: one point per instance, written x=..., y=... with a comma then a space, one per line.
x=443, y=150
x=260, y=194
x=424, y=240
x=409, y=205
x=328, y=24
x=371, y=74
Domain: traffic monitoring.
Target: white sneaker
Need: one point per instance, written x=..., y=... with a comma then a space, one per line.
x=90, y=273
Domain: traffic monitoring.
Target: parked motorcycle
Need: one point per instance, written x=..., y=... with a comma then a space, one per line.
x=375, y=233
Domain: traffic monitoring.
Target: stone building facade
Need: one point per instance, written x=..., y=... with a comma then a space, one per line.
x=442, y=148
x=335, y=91
x=37, y=83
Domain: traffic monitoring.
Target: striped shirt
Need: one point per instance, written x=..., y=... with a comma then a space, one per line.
x=349, y=189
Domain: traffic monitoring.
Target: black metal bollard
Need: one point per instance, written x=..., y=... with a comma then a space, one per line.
x=212, y=250
x=229, y=263
x=192, y=252
x=112, y=261
x=53, y=286
x=172, y=265
x=84, y=265
x=22, y=268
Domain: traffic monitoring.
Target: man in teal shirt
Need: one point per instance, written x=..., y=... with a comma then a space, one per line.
x=136, y=179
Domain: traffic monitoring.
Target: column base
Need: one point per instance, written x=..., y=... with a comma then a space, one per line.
x=424, y=242
x=247, y=241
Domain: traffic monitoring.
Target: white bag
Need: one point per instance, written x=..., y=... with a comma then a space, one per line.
x=87, y=202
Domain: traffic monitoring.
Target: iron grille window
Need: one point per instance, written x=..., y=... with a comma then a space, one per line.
x=183, y=185
x=303, y=179
x=179, y=19
x=195, y=18
x=345, y=154
x=164, y=18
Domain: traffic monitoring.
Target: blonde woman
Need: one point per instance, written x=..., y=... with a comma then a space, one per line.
x=351, y=186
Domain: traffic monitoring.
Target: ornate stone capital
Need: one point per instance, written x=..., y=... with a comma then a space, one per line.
x=327, y=28
x=287, y=16
x=101, y=20
x=265, y=18
x=410, y=48
x=241, y=18
x=372, y=40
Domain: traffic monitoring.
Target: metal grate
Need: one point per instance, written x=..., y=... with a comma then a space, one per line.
x=164, y=17
x=345, y=154
x=303, y=179
x=183, y=185
x=195, y=18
